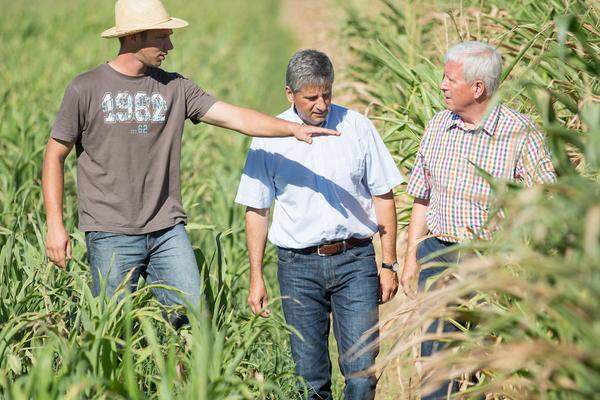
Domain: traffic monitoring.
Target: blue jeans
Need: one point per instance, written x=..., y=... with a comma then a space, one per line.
x=162, y=257
x=428, y=348
x=345, y=285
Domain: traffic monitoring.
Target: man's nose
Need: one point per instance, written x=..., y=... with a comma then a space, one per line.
x=321, y=104
x=169, y=45
x=443, y=85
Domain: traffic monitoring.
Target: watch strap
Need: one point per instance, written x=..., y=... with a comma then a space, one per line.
x=393, y=266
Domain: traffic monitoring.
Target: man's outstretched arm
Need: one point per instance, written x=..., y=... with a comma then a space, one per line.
x=253, y=123
x=257, y=225
x=58, y=247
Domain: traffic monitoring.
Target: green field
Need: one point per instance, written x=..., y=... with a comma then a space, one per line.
x=532, y=292
x=56, y=341
x=528, y=303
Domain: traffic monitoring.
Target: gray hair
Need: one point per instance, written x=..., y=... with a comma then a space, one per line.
x=479, y=61
x=308, y=67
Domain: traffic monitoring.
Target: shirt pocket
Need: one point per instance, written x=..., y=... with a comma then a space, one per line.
x=350, y=171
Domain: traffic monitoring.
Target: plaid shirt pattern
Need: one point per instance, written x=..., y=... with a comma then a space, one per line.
x=507, y=146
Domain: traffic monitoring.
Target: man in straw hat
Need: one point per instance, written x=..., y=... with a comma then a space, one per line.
x=125, y=118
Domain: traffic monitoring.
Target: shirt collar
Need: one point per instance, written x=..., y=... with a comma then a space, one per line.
x=489, y=124
x=299, y=120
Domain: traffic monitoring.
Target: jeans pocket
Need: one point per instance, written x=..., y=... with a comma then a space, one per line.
x=285, y=256
x=95, y=236
x=90, y=236
x=362, y=252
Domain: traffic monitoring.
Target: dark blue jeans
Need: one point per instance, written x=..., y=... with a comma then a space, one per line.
x=426, y=248
x=347, y=286
x=162, y=257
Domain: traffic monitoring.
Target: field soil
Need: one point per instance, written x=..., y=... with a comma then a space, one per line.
x=317, y=25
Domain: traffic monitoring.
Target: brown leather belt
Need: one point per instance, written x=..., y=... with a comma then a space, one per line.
x=333, y=248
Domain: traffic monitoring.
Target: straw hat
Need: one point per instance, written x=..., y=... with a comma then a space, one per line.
x=132, y=16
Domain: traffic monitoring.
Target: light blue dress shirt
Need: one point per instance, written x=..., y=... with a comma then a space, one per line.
x=322, y=191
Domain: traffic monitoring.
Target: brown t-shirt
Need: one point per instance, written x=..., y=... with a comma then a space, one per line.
x=127, y=132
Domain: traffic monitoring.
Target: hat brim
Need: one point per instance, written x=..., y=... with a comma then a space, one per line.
x=171, y=23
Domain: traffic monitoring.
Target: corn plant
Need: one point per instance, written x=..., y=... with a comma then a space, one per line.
x=526, y=301
x=57, y=341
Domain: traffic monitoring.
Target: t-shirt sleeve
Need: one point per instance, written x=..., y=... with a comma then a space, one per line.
x=197, y=101
x=535, y=162
x=381, y=173
x=70, y=119
x=419, y=185
x=257, y=188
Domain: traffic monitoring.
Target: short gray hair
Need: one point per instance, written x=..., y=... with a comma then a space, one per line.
x=309, y=67
x=479, y=61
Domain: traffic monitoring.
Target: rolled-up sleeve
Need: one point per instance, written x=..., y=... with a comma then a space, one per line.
x=256, y=187
x=419, y=185
x=382, y=174
x=535, y=161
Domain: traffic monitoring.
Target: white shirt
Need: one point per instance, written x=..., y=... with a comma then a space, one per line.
x=322, y=191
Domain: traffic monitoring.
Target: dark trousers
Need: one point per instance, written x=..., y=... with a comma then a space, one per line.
x=428, y=348
x=344, y=285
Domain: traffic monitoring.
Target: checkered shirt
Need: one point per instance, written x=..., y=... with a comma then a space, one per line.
x=507, y=146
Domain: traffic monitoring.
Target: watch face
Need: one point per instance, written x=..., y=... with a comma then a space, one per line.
x=394, y=266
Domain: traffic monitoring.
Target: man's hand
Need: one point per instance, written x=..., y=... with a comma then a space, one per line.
x=254, y=123
x=257, y=298
x=58, y=246
x=409, y=276
x=305, y=133
x=388, y=284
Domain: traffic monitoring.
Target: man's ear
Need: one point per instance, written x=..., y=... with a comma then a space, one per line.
x=138, y=39
x=130, y=41
x=289, y=94
x=479, y=90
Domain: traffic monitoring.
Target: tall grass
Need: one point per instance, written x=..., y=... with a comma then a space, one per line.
x=56, y=340
x=527, y=300
x=399, y=60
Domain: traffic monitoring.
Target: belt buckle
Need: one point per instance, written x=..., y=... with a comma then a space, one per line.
x=344, y=247
x=319, y=252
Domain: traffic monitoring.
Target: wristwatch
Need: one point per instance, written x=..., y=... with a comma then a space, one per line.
x=393, y=266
